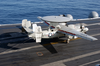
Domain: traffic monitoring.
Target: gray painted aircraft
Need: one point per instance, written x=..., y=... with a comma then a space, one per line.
x=58, y=28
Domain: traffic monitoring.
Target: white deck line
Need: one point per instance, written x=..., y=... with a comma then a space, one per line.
x=17, y=24
x=90, y=62
x=27, y=48
x=56, y=63
x=42, y=22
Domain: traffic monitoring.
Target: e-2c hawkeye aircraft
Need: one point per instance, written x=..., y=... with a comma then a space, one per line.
x=58, y=27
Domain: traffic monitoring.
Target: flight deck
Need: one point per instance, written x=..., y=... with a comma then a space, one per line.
x=16, y=49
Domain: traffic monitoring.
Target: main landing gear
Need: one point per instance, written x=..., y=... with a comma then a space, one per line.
x=67, y=41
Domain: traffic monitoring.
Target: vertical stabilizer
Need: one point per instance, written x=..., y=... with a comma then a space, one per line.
x=38, y=32
x=27, y=25
x=34, y=27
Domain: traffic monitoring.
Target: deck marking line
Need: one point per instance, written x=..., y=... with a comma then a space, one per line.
x=91, y=24
x=71, y=59
x=6, y=52
x=89, y=63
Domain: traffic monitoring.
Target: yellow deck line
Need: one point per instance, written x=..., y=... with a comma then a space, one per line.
x=59, y=42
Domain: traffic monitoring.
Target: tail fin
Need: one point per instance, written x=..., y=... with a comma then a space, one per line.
x=27, y=25
x=38, y=34
x=34, y=27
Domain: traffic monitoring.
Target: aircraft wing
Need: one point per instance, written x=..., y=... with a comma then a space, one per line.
x=73, y=32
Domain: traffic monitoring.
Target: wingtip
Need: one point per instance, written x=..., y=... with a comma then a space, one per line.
x=95, y=39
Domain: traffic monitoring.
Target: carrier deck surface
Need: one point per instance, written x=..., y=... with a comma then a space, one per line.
x=16, y=49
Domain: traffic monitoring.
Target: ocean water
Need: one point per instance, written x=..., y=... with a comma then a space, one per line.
x=13, y=11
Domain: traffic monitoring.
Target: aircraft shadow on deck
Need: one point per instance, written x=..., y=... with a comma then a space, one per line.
x=6, y=38
x=46, y=43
